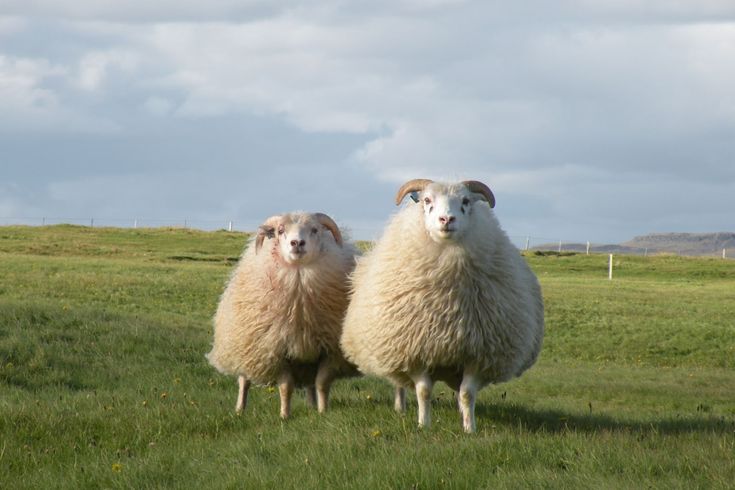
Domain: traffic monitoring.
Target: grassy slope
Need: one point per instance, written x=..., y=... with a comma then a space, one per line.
x=103, y=380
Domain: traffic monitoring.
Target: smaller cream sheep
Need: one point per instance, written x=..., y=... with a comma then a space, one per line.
x=444, y=295
x=279, y=319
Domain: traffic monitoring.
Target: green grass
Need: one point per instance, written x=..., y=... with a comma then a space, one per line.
x=103, y=381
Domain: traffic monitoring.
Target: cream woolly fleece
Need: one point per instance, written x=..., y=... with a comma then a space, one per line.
x=418, y=304
x=272, y=314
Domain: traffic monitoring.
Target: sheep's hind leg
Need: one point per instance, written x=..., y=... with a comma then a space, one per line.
x=400, y=400
x=423, y=395
x=311, y=396
x=324, y=378
x=285, y=388
x=242, y=393
x=467, y=398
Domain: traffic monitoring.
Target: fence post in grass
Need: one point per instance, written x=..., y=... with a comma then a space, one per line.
x=229, y=227
x=43, y=221
x=610, y=268
x=527, y=239
x=135, y=223
x=91, y=223
x=588, y=247
x=724, y=253
x=559, y=246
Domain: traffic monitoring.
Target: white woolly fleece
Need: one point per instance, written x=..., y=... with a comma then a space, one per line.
x=418, y=304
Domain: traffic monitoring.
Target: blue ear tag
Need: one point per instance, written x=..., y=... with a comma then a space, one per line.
x=415, y=196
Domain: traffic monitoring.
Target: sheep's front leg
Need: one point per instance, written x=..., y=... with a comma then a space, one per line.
x=423, y=395
x=400, y=400
x=285, y=388
x=467, y=397
x=242, y=393
x=324, y=378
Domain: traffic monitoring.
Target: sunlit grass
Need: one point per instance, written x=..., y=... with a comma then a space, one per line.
x=103, y=381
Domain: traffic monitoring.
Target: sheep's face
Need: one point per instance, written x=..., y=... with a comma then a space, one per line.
x=447, y=209
x=298, y=237
x=299, y=241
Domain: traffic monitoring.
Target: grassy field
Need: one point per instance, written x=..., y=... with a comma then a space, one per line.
x=104, y=384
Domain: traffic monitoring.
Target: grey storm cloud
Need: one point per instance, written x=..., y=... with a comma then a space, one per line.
x=591, y=120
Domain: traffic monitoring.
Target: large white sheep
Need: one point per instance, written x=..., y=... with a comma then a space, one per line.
x=444, y=295
x=280, y=317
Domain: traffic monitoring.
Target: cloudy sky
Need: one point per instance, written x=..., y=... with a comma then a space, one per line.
x=590, y=120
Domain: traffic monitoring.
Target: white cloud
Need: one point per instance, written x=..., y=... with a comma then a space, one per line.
x=575, y=87
x=656, y=9
x=95, y=66
x=134, y=10
x=242, y=10
x=22, y=96
x=21, y=76
x=28, y=103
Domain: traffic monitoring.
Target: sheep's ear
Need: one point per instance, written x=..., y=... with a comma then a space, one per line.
x=479, y=188
x=263, y=233
x=266, y=230
x=329, y=223
x=415, y=185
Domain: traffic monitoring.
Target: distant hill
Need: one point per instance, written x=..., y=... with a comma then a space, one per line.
x=685, y=243
x=677, y=243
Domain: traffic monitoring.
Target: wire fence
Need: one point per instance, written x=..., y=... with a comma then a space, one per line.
x=199, y=224
x=722, y=249
x=241, y=225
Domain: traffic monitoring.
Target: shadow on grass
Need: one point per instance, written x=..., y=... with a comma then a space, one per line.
x=198, y=258
x=533, y=420
x=510, y=414
x=560, y=421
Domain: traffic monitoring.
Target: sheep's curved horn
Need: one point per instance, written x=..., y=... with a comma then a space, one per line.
x=325, y=220
x=267, y=229
x=480, y=188
x=411, y=186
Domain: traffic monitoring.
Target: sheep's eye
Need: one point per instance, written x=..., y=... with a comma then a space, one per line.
x=465, y=201
x=314, y=230
x=427, y=200
x=280, y=230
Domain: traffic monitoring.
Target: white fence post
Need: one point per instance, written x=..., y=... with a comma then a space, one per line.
x=588, y=247
x=135, y=223
x=527, y=240
x=724, y=253
x=559, y=246
x=229, y=227
x=610, y=268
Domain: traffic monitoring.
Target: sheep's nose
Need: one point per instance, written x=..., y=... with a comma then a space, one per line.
x=298, y=243
x=445, y=220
